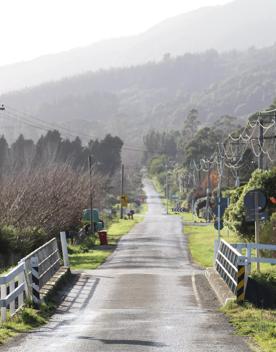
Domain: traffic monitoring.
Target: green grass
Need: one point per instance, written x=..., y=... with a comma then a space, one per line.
x=201, y=242
x=257, y=324
x=95, y=257
x=25, y=321
x=28, y=318
x=90, y=260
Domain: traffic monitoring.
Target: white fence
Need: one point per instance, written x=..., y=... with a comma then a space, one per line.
x=12, y=291
x=49, y=262
x=233, y=263
x=249, y=247
x=230, y=265
x=18, y=284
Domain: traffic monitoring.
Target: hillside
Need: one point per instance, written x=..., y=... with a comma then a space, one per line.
x=130, y=101
x=237, y=25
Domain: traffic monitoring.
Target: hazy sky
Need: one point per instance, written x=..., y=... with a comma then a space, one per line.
x=30, y=28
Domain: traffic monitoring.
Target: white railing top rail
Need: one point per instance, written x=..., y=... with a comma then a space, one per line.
x=263, y=246
x=4, y=302
x=12, y=290
x=48, y=262
x=231, y=247
x=5, y=279
x=32, y=254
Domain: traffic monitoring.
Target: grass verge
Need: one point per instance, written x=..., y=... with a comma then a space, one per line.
x=26, y=320
x=91, y=259
x=201, y=242
x=29, y=318
x=257, y=324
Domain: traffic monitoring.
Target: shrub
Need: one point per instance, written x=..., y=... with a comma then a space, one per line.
x=234, y=216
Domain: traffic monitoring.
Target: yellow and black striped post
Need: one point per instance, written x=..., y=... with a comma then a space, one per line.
x=240, y=283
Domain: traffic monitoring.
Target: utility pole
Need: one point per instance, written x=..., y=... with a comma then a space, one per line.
x=219, y=196
x=167, y=190
x=257, y=227
x=122, y=189
x=261, y=143
x=208, y=191
x=91, y=194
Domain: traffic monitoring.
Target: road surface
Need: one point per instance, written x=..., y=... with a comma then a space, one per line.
x=146, y=297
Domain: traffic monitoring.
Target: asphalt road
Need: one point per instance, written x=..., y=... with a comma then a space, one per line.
x=146, y=297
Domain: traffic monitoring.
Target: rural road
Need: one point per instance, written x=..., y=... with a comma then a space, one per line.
x=146, y=297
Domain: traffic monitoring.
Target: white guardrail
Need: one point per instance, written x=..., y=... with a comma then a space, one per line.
x=234, y=266
x=49, y=262
x=12, y=291
x=30, y=275
x=249, y=247
x=230, y=265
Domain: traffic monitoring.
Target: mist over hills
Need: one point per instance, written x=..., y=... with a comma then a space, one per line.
x=237, y=25
x=130, y=101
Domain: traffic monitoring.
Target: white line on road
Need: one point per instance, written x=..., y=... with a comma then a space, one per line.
x=196, y=291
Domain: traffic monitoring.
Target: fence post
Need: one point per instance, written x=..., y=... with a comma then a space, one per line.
x=64, y=249
x=21, y=280
x=248, y=266
x=12, y=304
x=35, y=282
x=3, y=309
x=216, y=249
x=240, y=283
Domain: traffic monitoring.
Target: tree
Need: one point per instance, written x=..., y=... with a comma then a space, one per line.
x=107, y=154
x=202, y=145
x=191, y=124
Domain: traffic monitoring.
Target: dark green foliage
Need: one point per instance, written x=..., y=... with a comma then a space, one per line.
x=106, y=154
x=51, y=148
x=157, y=165
x=202, y=145
x=268, y=231
x=30, y=317
x=235, y=214
x=17, y=243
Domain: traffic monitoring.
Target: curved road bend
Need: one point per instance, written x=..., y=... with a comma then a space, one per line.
x=146, y=297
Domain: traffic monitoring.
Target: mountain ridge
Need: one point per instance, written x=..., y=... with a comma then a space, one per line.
x=222, y=27
x=131, y=101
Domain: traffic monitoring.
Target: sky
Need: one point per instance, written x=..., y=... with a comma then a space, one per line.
x=31, y=28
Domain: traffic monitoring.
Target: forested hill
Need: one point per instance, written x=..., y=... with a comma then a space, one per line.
x=239, y=25
x=130, y=101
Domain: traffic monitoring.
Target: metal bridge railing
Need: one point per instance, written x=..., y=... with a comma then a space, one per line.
x=49, y=262
x=12, y=291
x=230, y=265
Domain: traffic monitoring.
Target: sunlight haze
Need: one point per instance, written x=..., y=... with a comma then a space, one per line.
x=32, y=28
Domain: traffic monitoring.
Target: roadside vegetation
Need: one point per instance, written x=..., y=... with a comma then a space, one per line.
x=45, y=186
x=28, y=318
x=201, y=242
x=91, y=255
x=257, y=324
